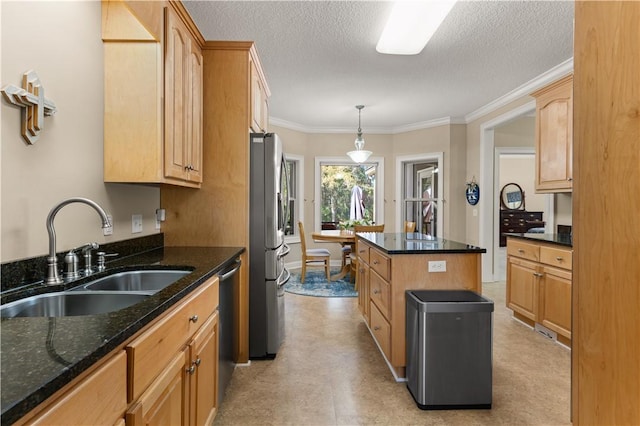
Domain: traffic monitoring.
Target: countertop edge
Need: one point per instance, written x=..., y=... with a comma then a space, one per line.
x=20, y=408
x=544, y=238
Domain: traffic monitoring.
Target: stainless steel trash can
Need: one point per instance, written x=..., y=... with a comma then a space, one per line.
x=449, y=349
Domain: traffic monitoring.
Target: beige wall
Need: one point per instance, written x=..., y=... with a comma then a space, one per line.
x=473, y=164
x=61, y=42
x=451, y=140
x=518, y=133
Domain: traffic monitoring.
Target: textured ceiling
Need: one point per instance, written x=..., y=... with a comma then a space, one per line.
x=320, y=61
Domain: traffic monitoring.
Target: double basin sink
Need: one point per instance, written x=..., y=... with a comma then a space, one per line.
x=107, y=294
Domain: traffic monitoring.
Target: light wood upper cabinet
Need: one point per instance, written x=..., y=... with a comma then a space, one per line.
x=554, y=136
x=182, y=102
x=259, y=102
x=153, y=96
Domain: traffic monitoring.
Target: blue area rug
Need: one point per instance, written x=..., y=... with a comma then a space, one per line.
x=315, y=284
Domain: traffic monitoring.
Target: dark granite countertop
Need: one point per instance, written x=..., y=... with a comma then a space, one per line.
x=40, y=355
x=416, y=243
x=560, y=239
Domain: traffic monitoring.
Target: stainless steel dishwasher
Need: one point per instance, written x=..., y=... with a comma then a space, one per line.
x=229, y=282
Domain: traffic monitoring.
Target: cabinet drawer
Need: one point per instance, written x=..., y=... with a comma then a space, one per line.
x=561, y=258
x=156, y=347
x=379, y=291
x=381, y=330
x=363, y=251
x=524, y=250
x=380, y=263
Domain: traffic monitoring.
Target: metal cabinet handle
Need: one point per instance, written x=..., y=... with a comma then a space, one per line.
x=520, y=251
x=376, y=291
x=376, y=328
x=538, y=274
x=559, y=259
x=375, y=262
x=191, y=369
x=194, y=319
x=197, y=362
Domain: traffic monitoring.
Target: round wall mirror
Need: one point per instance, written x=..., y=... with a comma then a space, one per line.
x=512, y=197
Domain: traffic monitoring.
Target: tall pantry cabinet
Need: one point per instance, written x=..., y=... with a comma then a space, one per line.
x=235, y=102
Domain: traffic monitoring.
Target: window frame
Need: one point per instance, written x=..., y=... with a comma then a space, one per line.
x=298, y=196
x=346, y=161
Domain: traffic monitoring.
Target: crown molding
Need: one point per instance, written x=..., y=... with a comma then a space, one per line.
x=370, y=130
x=532, y=85
x=536, y=83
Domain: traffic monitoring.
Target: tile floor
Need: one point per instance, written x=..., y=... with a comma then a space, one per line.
x=330, y=372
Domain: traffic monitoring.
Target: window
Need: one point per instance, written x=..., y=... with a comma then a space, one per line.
x=420, y=181
x=348, y=191
x=295, y=171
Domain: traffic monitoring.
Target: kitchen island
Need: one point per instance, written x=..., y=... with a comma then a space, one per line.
x=390, y=264
x=41, y=356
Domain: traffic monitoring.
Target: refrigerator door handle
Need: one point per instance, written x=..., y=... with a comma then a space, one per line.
x=285, y=251
x=282, y=282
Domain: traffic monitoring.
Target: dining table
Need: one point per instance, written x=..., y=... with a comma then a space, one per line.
x=344, y=238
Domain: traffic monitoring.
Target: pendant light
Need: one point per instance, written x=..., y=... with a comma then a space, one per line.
x=360, y=155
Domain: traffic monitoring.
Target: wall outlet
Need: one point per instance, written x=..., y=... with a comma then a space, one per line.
x=109, y=230
x=437, y=266
x=136, y=223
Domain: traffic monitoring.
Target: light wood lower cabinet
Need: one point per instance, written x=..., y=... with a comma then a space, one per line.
x=204, y=379
x=522, y=293
x=539, y=279
x=99, y=399
x=382, y=280
x=167, y=375
x=173, y=366
x=164, y=401
x=362, y=280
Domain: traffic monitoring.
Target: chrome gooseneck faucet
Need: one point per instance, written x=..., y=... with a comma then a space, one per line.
x=53, y=276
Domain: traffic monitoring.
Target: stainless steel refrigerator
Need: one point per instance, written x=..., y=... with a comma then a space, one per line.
x=269, y=201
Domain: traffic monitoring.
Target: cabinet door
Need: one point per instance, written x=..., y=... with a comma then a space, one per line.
x=194, y=118
x=98, y=399
x=257, y=96
x=554, y=138
x=362, y=280
x=204, y=380
x=176, y=95
x=164, y=402
x=555, y=301
x=522, y=287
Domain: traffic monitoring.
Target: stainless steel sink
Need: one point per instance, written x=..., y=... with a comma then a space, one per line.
x=139, y=280
x=63, y=304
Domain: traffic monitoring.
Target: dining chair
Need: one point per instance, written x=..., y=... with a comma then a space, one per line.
x=313, y=257
x=353, y=257
x=409, y=226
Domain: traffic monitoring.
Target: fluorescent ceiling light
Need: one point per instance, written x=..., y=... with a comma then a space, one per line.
x=411, y=25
